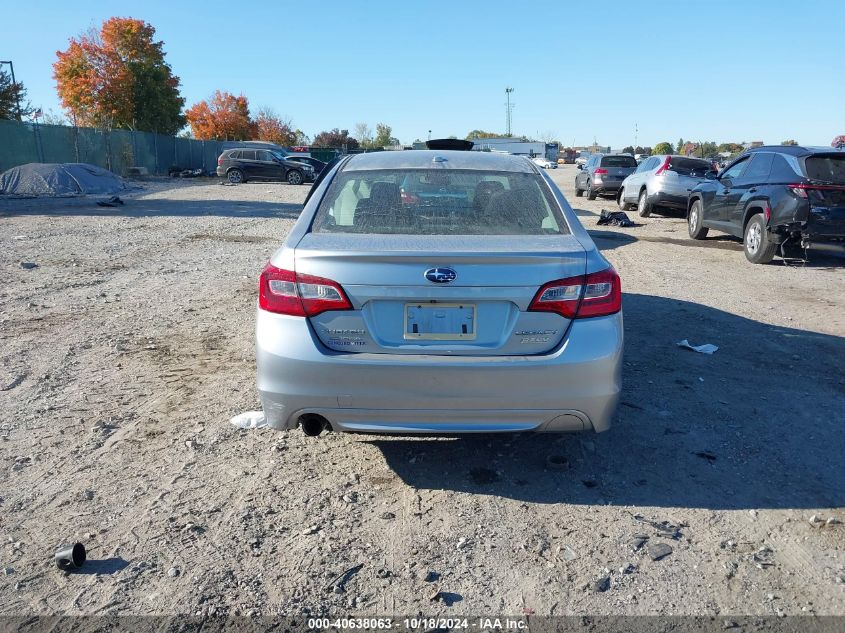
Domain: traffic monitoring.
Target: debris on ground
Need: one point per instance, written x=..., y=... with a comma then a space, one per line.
x=601, y=585
x=114, y=201
x=707, y=348
x=666, y=528
x=338, y=583
x=28, y=265
x=656, y=551
x=249, y=420
x=710, y=457
x=557, y=462
x=615, y=218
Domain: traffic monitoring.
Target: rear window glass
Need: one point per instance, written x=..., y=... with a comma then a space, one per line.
x=689, y=166
x=827, y=168
x=438, y=202
x=618, y=161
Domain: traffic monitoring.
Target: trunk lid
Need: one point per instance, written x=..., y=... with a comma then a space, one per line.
x=482, y=311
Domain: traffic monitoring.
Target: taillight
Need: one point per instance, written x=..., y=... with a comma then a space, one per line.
x=600, y=171
x=408, y=197
x=596, y=294
x=219, y=160
x=664, y=167
x=286, y=292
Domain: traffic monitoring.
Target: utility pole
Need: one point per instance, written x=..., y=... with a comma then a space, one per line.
x=509, y=107
x=636, y=132
x=17, y=92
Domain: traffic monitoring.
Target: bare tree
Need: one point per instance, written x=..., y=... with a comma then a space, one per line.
x=548, y=136
x=363, y=133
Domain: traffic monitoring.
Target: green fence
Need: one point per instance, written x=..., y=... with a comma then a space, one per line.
x=116, y=150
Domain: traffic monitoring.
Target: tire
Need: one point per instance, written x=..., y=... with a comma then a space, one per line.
x=643, y=207
x=578, y=192
x=758, y=245
x=235, y=176
x=620, y=200
x=694, y=222
x=294, y=177
x=591, y=195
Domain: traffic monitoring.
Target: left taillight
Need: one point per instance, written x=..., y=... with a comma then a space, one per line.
x=585, y=296
x=286, y=292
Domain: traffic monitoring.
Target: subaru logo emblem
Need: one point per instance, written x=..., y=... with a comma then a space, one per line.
x=440, y=275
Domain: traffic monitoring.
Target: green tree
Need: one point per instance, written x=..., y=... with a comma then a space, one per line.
x=680, y=146
x=789, y=142
x=663, y=148
x=481, y=134
x=732, y=148
x=628, y=150
x=335, y=138
x=383, y=135
x=11, y=96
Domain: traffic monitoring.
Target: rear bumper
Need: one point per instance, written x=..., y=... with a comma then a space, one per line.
x=574, y=388
x=602, y=187
x=666, y=199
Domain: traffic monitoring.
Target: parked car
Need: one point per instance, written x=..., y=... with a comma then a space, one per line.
x=243, y=164
x=316, y=165
x=603, y=174
x=662, y=181
x=780, y=199
x=477, y=304
x=543, y=162
x=582, y=158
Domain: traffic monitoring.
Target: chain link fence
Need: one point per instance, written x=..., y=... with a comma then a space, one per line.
x=115, y=150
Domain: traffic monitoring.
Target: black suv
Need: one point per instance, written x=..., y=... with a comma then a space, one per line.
x=779, y=199
x=243, y=164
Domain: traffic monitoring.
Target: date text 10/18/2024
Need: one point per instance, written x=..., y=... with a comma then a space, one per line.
x=421, y=623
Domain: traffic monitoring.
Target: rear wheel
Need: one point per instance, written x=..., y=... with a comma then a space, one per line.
x=643, y=207
x=295, y=177
x=620, y=200
x=236, y=176
x=591, y=195
x=694, y=222
x=578, y=192
x=759, y=247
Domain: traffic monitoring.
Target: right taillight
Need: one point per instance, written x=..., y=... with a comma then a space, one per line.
x=596, y=294
x=600, y=171
x=285, y=292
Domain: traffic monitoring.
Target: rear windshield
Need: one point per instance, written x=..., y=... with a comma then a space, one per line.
x=618, y=161
x=438, y=202
x=827, y=168
x=689, y=166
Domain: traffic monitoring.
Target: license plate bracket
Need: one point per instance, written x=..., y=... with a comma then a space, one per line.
x=440, y=321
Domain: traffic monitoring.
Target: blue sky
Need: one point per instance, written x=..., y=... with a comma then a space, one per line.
x=717, y=70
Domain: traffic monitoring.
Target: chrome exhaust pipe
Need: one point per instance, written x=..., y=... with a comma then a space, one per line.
x=312, y=424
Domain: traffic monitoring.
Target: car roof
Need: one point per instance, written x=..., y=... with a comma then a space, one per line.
x=425, y=159
x=794, y=150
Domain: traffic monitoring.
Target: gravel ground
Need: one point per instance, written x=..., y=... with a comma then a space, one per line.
x=128, y=348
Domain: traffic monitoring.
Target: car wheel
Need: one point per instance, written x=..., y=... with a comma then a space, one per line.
x=295, y=177
x=621, y=200
x=591, y=195
x=235, y=176
x=578, y=192
x=759, y=247
x=643, y=207
x=694, y=222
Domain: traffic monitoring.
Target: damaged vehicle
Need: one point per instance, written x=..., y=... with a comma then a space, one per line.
x=438, y=291
x=783, y=200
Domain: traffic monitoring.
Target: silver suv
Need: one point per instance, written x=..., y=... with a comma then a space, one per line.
x=662, y=181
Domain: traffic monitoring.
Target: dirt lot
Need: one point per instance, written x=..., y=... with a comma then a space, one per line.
x=124, y=353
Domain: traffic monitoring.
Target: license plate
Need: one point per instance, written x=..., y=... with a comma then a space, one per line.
x=440, y=321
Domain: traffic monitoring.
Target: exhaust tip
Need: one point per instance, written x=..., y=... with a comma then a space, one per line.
x=312, y=424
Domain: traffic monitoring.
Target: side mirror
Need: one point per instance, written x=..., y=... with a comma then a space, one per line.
x=580, y=166
x=711, y=175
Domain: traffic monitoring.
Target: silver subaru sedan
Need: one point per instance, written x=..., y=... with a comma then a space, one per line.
x=438, y=292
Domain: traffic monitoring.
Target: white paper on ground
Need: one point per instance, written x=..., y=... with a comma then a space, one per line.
x=249, y=420
x=707, y=348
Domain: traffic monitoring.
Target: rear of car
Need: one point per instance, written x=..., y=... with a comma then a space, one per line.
x=439, y=292
x=813, y=208
x=663, y=181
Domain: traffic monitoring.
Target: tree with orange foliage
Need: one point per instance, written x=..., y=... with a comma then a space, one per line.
x=268, y=126
x=224, y=117
x=117, y=77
